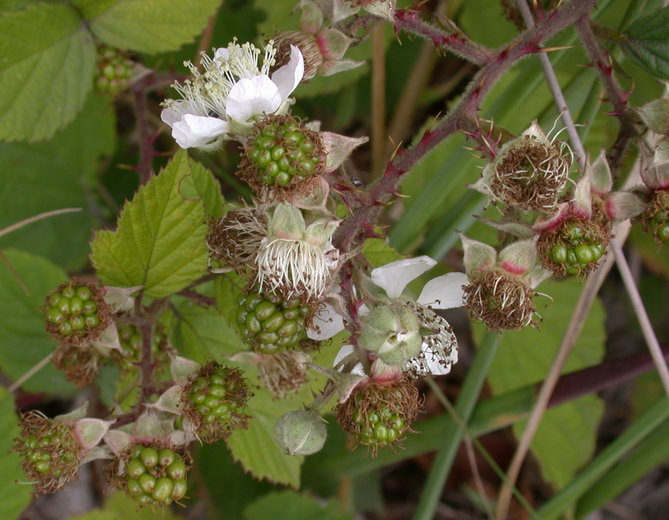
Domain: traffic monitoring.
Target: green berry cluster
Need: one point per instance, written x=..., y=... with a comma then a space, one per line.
x=271, y=325
x=578, y=250
x=379, y=414
x=73, y=310
x=659, y=226
x=215, y=398
x=155, y=476
x=380, y=428
x=49, y=450
x=114, y=71
x=282, y=150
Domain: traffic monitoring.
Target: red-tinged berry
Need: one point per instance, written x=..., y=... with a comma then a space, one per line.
x=114, y=71
x=214, y=400
x=49, y=451
x=573, y=247
x=76, y=313
x=281, y=153
x=378, y=415
x=146, y=473
x=271, y=325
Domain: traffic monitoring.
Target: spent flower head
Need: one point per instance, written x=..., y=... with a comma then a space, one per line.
x=528, y=172
x=501, y=287
x=296, y=259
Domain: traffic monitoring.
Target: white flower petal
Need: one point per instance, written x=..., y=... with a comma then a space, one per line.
x=439, y=350
x=395, y=276
x=252, y=96
x=444, y=292
x=288, y=77
x=439, y=363
x=197, y=131
x=345, y=351
x=326, y=324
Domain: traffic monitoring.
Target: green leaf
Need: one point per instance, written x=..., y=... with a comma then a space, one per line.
x=288, y=505
x=160, y=240
x=149, y=26
x=25, y=280
x=647, y=43
x=60, y=173
x=46, y=71
x=201, y=184
x=478, y=16
x=255, y=448
x=567, y=434
x=219, y=472
x=203, y=334
x=379, y=252
x=121, y=507
x=14, y=497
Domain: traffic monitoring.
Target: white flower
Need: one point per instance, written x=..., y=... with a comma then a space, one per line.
x=439, y=348
x=233, y=91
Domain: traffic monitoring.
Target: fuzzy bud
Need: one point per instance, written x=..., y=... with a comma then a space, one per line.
x=300, y=433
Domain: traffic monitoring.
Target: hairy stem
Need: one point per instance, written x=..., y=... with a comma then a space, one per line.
x=616, y=95
x=454, y=41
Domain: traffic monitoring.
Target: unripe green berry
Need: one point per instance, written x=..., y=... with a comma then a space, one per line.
x=280, y=152
x=271, y=325
x=559, y=254
x=149, y=457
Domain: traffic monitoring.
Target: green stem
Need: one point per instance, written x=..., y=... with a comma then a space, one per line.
x=454, y=433
x=642, y=427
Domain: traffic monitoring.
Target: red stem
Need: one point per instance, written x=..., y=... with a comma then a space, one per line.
x=455, y=42
x=616, y=95
x=350, y=233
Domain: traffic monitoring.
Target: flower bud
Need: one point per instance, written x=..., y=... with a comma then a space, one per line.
x=392, y=332
x=300, y=433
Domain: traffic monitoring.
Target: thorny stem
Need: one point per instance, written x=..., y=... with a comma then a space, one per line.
x=617, y=96
x=455, y=41
x=352, y=230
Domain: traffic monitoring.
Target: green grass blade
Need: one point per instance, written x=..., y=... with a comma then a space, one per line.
x=452, y=436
